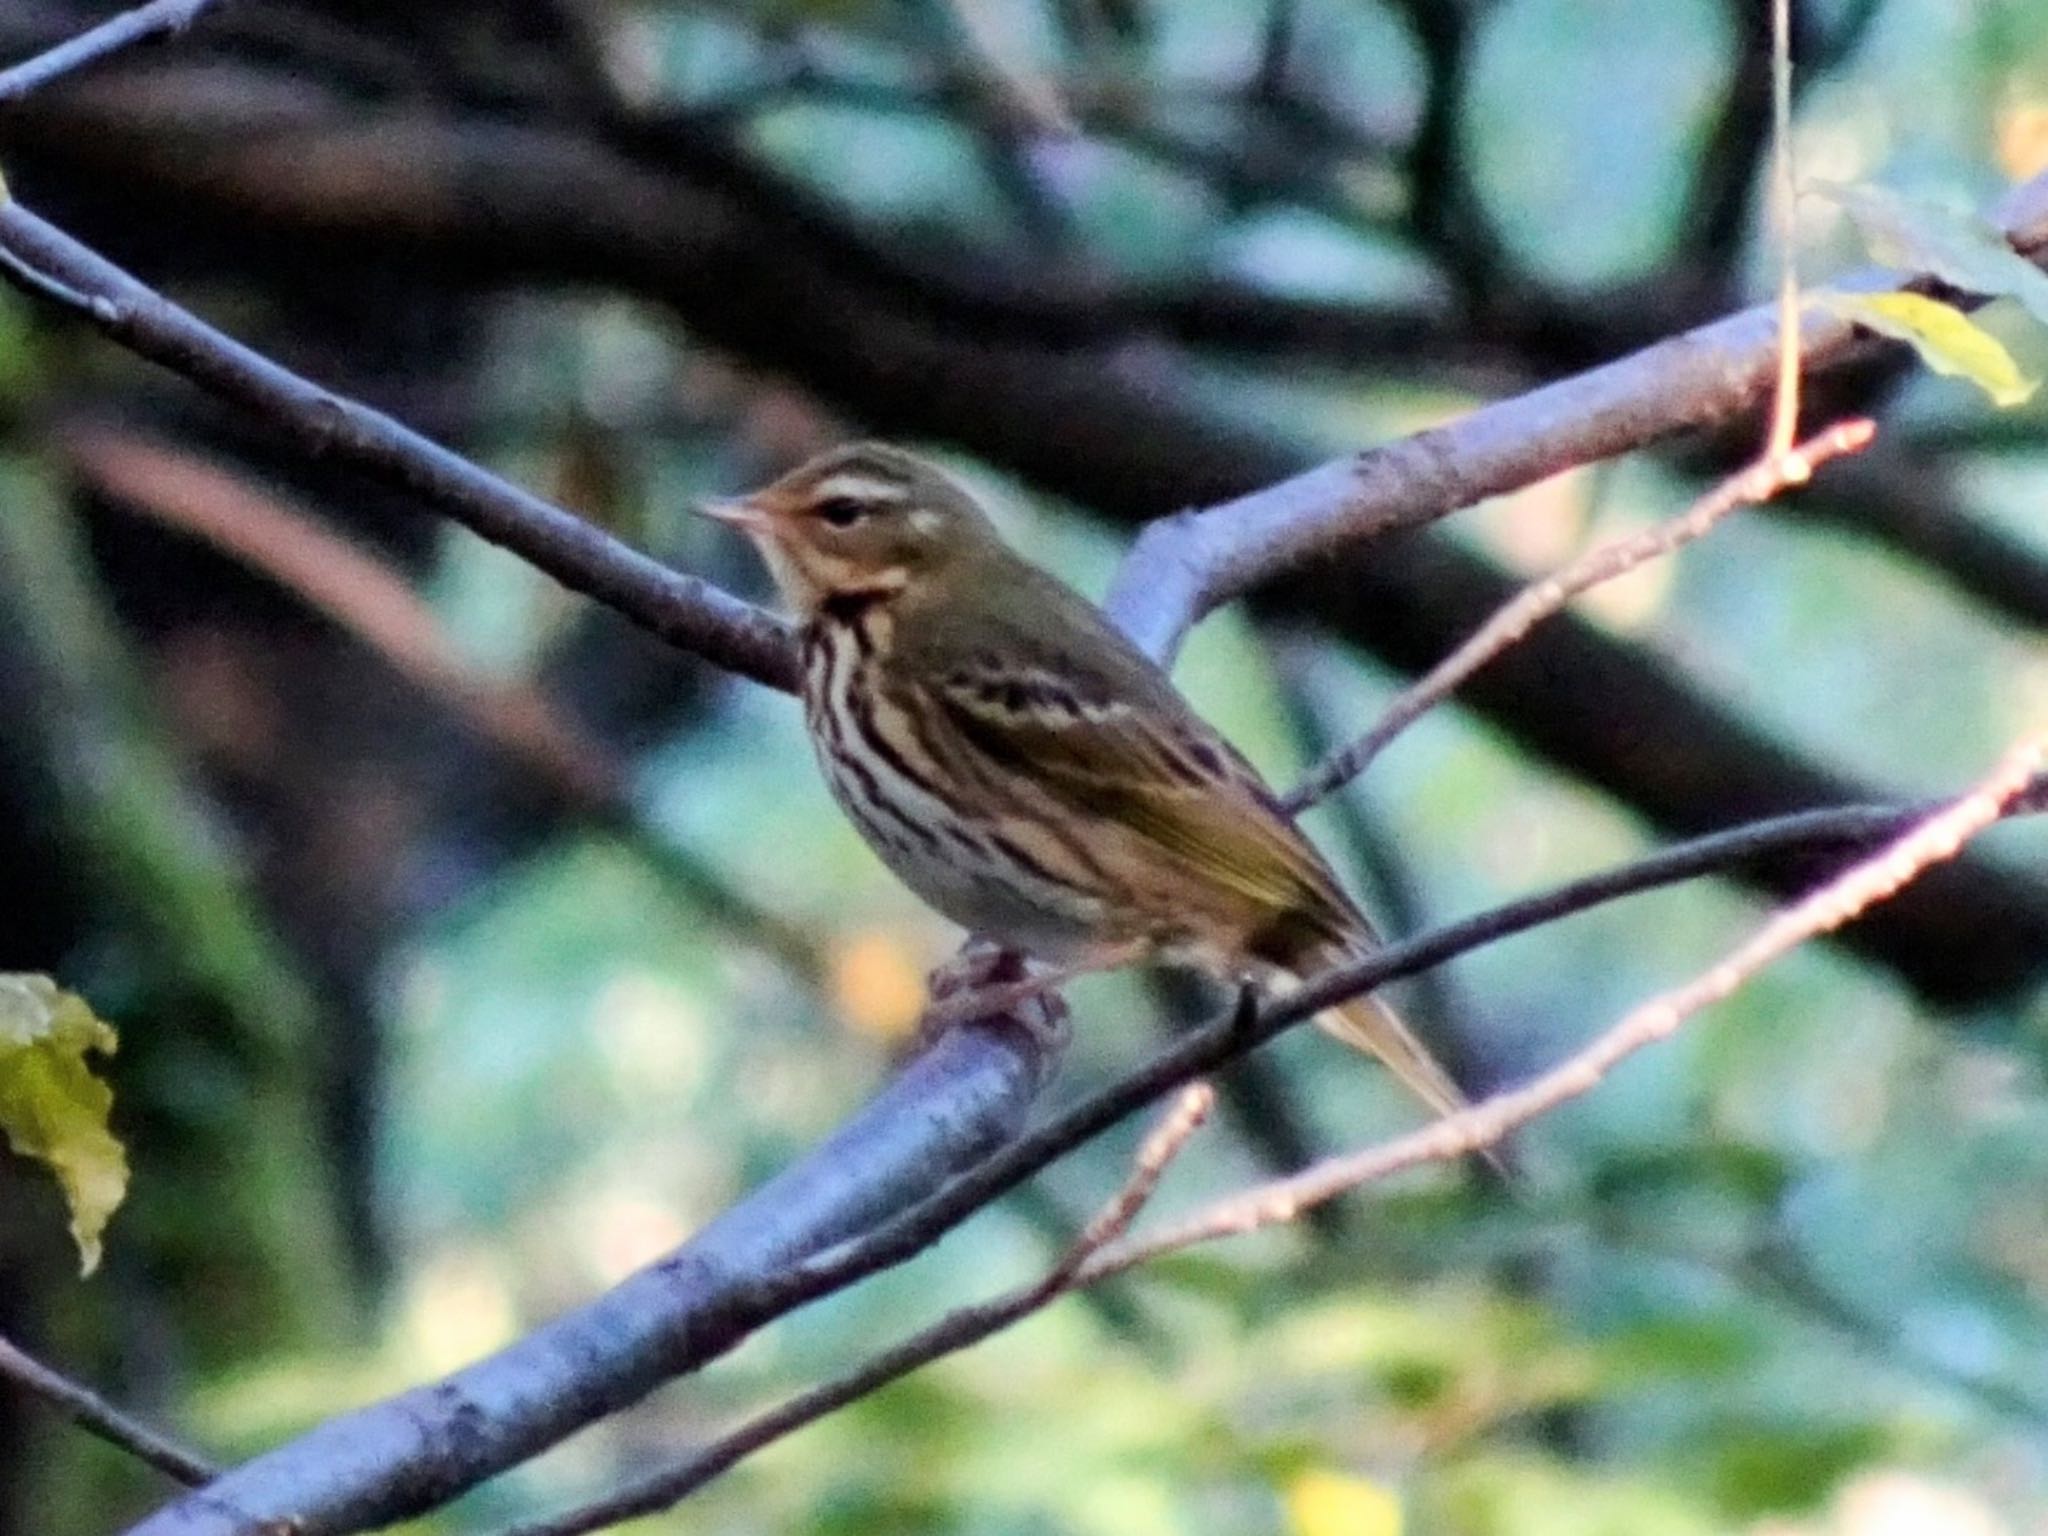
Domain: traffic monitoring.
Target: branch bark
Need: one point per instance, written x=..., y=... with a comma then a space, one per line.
x=1114, y=428
x=687, y=612
x=773, y=1252
x=959, y=1102
x=91, y=1412
x=110, y=37
x=1181, y=569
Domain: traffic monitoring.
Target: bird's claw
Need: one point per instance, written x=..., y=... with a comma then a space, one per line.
x=1032, y=1005
x=980, y=964
x=985, y=982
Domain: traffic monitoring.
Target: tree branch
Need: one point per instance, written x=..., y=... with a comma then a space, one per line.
x=375, y=604
x=93, y=1413
x=122, y=31
x=1540, y=599
x=1182, y=568
x=682, y=609
x=957, y=1103
x=415, y=1451
x=952, y=1333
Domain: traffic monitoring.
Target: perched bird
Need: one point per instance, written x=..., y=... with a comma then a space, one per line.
x=1023, y=767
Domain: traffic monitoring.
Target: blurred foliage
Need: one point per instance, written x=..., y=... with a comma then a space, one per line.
x=1786, y=1275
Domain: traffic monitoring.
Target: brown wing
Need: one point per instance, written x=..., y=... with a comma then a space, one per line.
x=1101, y=731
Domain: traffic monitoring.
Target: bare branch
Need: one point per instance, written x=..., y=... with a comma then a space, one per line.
x=109, y=37
x=419, y=1449
x=956, y=1331
x=1933, y=840
x=1181, y=568
x=1785, y=222
x=1937, y=836
x=1540, y=599
x=1156, y=1153
x=682, y=609
x=377, y=606
x=93, y=1413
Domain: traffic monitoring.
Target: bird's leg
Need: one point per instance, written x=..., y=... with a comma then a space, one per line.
x=983, y=979
x=989, y=987
x=981, y=963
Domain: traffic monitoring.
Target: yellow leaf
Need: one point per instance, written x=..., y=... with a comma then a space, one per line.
x=53, y=1109
x=1948, y=340
x=1331, y=1504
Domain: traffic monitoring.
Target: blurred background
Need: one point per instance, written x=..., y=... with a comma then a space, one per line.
x=469, y=949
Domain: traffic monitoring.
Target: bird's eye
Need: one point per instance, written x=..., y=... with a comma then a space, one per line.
x=841, y=511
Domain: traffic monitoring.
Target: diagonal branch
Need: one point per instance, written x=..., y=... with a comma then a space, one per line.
x=93, y=1413
x=682, y=609
x=1182, y=568
x=952, y=1333
x=1540, y=599
x=109, y=37
x=379, y=608
x=421, y=1448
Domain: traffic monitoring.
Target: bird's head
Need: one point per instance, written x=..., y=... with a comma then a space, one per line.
x=865, y=520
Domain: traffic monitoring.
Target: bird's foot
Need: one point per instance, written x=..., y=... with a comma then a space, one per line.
x=985, y=981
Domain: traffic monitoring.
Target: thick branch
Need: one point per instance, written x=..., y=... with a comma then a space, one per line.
x=956, y=1331
x=1115, y=431
x=415, y=1451
x=1183, y=568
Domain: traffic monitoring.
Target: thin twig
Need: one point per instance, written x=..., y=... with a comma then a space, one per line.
x=1156, y=1153
x=1785, y=219
x=682, y=609
x=1932, y=840
x=954, y=1332
x=365, y=1468
x=1101, y=1254
x=1540, y=599
x=111, y=36
x=91, y=1412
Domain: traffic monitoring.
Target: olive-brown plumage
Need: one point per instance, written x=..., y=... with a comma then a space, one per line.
x=1022, y=766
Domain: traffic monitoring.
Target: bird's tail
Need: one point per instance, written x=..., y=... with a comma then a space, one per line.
x=1369, y=1025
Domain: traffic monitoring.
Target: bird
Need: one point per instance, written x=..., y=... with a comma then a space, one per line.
x=1024, y=768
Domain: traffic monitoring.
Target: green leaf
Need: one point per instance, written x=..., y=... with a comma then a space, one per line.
x=1947, y=340
x=1919, y=235
x=53, y=1109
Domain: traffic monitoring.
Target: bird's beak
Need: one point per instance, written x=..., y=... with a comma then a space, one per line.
x=738, y=511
